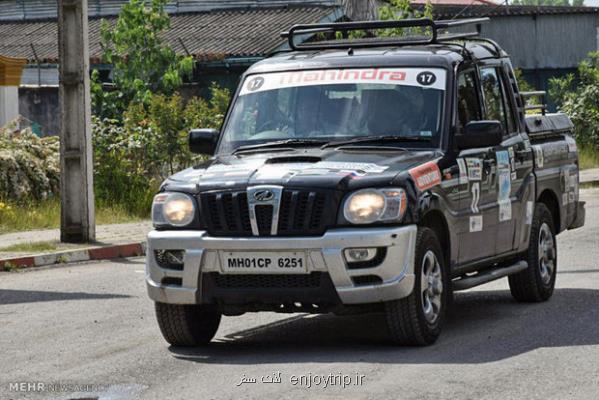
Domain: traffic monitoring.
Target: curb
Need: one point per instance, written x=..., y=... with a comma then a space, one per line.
x=72, y=256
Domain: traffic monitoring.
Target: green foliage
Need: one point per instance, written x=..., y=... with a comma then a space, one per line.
x=395, y=10
x=576, y=3
x=142, y=63
x=401, y=9
x=132, y=158
x=580, y=100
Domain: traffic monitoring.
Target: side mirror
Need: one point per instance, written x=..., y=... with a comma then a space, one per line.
x=480, y=134
x=203, y=141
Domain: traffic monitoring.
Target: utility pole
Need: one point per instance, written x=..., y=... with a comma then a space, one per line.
x=77, y=220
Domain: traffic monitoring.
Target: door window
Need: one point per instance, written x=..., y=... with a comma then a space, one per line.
x=468, y=104
x=492, y=93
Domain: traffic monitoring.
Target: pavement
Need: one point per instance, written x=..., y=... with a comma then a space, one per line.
x=90, y=327
x=588, y=176
x=112, y=241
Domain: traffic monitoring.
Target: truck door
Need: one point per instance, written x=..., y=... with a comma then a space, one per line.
x=510, y=191
x=477, y=224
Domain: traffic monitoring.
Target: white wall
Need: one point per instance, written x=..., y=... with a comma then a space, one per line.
x=9, y=104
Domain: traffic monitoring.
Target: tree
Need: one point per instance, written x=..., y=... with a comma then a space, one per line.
x=142, y=64
x=580, y=100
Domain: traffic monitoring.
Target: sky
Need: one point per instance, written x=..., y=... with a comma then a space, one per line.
x=594, y=3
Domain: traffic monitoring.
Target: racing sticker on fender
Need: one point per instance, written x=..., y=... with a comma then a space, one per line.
x=529, y=212
x=475, y=169
x=433, y=78
x=503, y=195
x=426, y=175
x=476, y=223
x=539, y=156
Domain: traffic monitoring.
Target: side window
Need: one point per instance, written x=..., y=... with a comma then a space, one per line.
x=492, y=93
x=468, y=105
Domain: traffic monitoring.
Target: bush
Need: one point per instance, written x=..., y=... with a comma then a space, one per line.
x=29, y=165
x=132, y=159
x=580, y=100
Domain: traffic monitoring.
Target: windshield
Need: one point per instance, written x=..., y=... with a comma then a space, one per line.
x=336, y=104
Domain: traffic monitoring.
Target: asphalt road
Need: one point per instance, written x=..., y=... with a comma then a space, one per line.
x=92, y=324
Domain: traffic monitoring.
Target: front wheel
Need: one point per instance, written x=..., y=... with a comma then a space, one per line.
x=187, y=325
x=417, y=319
x=536, y=283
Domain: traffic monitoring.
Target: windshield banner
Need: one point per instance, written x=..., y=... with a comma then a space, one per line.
x=433, y=78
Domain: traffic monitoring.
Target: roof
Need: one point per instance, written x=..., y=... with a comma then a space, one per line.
x=40, y=9
x=438, y=55
x=456, y=2
x=212, y=35
x=446, y=11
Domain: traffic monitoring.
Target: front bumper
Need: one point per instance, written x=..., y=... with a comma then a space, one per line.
x=324, y=254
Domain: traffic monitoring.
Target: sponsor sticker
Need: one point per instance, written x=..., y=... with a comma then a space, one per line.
x=529, y=212
x=426, y=175
x=475, y=191
x=505, y=210
x=476, y=223
x=539, y=157
x=514, y=175
x=503, y=159
x=463, y=178
x=512, y=158
x=430, y=78
x=475, y=169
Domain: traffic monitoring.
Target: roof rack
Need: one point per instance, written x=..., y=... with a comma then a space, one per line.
x=345, y=27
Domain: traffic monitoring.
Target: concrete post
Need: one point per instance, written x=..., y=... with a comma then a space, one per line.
x=76, y=183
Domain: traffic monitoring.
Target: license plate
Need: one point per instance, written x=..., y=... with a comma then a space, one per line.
x=263, y=262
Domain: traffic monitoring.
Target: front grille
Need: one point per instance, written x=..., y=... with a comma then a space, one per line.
x=302, y=212
x=268, y=281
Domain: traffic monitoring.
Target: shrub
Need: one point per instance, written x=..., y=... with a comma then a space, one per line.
x=29, y=165
x=580, y=100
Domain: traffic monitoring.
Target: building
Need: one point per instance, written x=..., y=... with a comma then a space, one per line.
x=224, y=37
x=543, y=42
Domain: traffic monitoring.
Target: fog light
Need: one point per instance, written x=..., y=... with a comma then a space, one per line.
x=360, y=254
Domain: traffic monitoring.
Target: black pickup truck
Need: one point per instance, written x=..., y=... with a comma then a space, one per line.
x=365, y=175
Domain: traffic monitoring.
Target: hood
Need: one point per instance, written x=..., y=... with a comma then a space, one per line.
x=346, y=169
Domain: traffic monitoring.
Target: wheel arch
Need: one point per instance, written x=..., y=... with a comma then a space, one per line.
x=435, y=220
x=549, y=199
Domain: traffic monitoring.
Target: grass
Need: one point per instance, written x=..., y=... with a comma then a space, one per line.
x=30, y=247
x=588, y=158
x=46, y=215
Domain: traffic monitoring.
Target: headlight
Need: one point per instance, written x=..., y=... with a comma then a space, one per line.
x=372, y=205
x=176, y=209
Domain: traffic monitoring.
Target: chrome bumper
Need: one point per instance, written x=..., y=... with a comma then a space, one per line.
x=324, y=254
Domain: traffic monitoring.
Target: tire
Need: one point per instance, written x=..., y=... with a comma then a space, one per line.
x=408, y=321
x=536, y=283
x=186, y=325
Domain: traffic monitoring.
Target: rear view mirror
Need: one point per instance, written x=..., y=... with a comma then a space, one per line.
x=480, y=134
x=203, y=141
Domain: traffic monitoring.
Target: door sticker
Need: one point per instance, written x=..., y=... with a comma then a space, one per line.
x=426, y=175
x=475, y=169
x=503, y=160
x=505, y=210
x=463, y=179
x=476, y=223
x=512, y=159
x=539, y=157
x=475, y=197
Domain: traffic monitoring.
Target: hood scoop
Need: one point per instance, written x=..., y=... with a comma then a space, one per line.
x=293, y=159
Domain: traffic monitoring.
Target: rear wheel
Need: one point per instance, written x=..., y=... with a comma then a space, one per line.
x=417, y=319
x=536, y=283
x=187, y=325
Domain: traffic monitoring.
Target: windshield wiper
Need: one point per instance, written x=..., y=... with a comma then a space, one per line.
x=281, y=143
x=377, y=139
